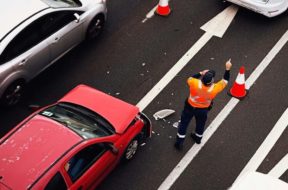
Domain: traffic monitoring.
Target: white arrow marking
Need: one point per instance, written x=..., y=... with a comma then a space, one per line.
x=228, y=14
x=267, y=145
x=219, y=24
x=189, y=156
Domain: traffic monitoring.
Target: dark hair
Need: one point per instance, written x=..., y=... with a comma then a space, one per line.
x=208, y=77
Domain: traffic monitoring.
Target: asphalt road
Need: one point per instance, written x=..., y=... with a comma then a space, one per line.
x=131, y=57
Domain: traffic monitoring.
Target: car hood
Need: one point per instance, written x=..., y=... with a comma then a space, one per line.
x=119, y=113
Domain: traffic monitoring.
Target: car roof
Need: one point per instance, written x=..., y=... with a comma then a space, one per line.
x=28, y=152
x=13, y=12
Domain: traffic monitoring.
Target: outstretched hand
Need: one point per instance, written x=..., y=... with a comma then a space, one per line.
x=228, y=64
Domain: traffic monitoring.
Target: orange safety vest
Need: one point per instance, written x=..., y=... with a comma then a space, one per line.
x=201, y=96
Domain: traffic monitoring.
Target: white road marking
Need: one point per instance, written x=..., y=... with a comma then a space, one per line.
x=218, y=27
x=150, y=14
x=266, y=146
x=189, y=156
x=280, y=168
x=149, y=97
x=265, y=62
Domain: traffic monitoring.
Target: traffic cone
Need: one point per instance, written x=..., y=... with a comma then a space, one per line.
x=238, y=89
x=163, y=8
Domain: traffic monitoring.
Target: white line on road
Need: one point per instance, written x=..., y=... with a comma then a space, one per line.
x=147, y=99
x=189, y=156
x=267, y=145
x=280, y=168
x=150, y=14
x=215, y=27
x=265, y=62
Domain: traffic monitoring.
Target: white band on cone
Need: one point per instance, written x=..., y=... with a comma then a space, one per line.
x=240, y=79
x=163, y=3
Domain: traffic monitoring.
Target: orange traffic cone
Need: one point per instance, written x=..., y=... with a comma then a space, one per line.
x=238, y=89
x=163, y=8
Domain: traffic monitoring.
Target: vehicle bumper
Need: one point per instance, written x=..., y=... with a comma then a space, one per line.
x=269, y=9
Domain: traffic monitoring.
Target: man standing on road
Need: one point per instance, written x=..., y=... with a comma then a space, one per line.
x=202, y=92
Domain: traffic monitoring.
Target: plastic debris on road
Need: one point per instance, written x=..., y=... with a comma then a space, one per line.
x=176, y=124
x=163, y=113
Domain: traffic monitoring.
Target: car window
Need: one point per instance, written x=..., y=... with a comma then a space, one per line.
x=35, y=33
x=57, y=182
x=26, y=39
x=55, y=21
x=84, y=122
x=83, y=160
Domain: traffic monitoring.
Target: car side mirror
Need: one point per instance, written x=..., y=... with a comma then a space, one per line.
x=77, y=17
x=112, y=148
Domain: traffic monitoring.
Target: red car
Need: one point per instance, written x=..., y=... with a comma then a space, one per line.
x=72, y=144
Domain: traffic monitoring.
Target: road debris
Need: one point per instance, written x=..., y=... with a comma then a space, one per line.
x=163, y=113
x=176, y=124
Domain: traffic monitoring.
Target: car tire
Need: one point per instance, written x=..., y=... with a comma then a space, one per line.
x=13, y=93
x=131, y=149
x=95, y=27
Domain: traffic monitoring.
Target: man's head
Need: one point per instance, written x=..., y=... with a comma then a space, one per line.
x=208, y=78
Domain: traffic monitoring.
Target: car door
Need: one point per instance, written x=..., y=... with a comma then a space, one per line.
x=88, y=166
x=56, y=182
x=67, y=32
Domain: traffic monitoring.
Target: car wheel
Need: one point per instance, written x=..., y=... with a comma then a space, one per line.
x=131, y=149
x=13, y=94
x=95, y=27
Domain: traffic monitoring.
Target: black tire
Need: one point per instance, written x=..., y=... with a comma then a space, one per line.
x=95, y=27
x=13, y=93
x=131, y=149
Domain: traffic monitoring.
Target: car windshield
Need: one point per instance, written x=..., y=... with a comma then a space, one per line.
x=79, y=119
x=62, y=3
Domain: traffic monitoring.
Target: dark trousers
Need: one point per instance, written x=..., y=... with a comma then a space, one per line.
x=186, y=116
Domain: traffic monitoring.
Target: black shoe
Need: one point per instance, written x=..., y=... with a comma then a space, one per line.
x=178, y=146
x=195, y=138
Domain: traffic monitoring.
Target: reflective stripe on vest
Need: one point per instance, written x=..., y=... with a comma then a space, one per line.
x=203, y=98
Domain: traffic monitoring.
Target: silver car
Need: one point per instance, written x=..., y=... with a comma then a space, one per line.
x=36, y=33
x=269, y=8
